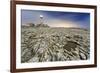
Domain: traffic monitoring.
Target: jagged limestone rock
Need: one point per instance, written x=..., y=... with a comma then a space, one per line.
x=54, y=44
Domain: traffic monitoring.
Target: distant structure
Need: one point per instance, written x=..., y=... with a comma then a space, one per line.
x=28, y=25
x=41, y=19
x=42, y=24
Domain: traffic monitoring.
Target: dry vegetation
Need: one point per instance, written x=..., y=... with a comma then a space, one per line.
x=44, y=44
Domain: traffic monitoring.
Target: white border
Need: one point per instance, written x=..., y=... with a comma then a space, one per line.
x=20, y=65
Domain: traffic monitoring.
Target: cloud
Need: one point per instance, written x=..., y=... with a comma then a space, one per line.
x=61, y=23
x=57, y=19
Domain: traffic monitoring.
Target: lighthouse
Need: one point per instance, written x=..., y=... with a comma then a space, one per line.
x=41, y=19
x=41, y=22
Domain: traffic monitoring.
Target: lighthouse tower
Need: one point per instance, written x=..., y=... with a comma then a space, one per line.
x=41, y=22
x=41, y=19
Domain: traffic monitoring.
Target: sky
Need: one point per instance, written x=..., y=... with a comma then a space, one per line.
x=56, y=18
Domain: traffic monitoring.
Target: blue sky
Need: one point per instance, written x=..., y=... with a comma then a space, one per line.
x=56, y=19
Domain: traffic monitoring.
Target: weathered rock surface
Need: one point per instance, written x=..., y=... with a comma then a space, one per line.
x=54, y=44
